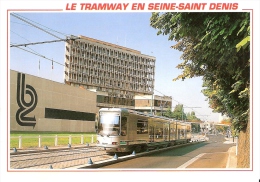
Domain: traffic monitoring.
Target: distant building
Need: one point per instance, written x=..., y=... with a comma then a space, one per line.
x=207, y=127
x=153, y=103
x=120, y=76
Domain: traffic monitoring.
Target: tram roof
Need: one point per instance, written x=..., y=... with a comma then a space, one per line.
x=140, y=113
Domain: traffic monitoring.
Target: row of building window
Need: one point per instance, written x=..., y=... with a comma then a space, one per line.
x=107, y=79
x=130, y=74
x=138, y=86
x=112, y=73
x=75, y=59
x=94, y=56
x=115, y=100
x=101, y=49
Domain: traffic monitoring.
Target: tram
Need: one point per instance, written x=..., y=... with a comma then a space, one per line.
x=125, y=130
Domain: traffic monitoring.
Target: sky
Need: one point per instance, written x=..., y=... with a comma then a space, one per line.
x=131, y=30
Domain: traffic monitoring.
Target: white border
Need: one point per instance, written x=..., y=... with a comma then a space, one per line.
x=145, y=175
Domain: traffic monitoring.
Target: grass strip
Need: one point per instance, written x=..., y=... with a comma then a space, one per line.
x=31, y=139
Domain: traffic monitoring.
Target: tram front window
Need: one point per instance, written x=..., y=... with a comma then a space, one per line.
x=109, y=124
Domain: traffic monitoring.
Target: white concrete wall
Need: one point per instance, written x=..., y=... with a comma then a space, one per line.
x=54, y=95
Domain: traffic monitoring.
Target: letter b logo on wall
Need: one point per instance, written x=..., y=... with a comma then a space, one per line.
x=25, y=107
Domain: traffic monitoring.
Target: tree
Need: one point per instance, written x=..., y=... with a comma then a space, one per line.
x=192, y=117
x=168, y=113
x=216, y=47
x=178, y=112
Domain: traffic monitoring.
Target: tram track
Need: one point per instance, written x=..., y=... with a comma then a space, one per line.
x=56, y=159
x=71, y=158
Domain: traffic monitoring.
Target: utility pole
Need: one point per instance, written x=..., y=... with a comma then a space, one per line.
x=152, y=104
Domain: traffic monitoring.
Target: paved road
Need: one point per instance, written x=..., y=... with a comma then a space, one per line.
x=210, y=154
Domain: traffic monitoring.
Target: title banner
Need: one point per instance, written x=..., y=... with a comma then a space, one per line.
x=150, y=6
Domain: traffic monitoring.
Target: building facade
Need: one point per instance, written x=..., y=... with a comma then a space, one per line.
x=38, y=104
x=153, y=103
x=117, y=74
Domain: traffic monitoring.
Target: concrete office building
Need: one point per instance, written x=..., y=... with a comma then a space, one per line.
x=117, y=74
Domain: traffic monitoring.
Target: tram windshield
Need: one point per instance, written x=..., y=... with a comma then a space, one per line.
x=109, y=124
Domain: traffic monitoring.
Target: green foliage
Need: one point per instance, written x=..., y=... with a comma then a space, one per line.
x=191, y=117
x=221, y=129
x=178, y=113
x=215, y=46
x=168, y=113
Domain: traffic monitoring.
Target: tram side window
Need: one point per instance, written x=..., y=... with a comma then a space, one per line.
x=142, y=127
x=123, y=126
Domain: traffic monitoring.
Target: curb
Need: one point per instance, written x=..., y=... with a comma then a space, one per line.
x=232, y=158
x=124, y=158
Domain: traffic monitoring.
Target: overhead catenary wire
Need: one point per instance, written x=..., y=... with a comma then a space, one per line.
x=34, y=25
x=34, y=43
x=19, y=35
x=64, y=34
x=41, y=56
x=13, y=44
x=28, y=21
x=28, y=48
x=21, y=23
x=177, y=101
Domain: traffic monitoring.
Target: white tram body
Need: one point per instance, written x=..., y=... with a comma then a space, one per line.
x=124, y=130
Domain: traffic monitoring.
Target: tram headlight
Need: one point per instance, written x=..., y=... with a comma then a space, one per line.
x=114, y=143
